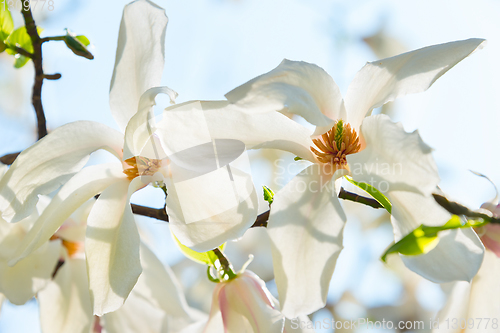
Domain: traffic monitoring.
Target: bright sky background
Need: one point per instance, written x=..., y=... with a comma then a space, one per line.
x=214, y=46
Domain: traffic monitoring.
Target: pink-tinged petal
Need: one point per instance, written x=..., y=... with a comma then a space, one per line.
x=140, y=56
x=78, y=190
x=459, y=253
x=112, y=247
x=491, y=245
x=294, y=86
x=141, y=127
x=384, y=80
x=51, y=162
x=244, y=309
x=65, y=302
x=305, y=227
x=393, y=159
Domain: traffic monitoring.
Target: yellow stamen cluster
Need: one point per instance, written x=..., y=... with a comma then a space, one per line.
x=72, y=247
x=336, y=144
x=141, y=166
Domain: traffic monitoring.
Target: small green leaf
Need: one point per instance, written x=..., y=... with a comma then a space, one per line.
x=424, y=238
x=205, y=258
x=376, y=194
x=20, y=61
x=21, y=39
x=296, y=158
x=6, y=23
x=268, y=194
x=78, y=44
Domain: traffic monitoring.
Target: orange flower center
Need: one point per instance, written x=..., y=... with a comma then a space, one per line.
x=141, y=166
x=72, y=247
x=333, y=146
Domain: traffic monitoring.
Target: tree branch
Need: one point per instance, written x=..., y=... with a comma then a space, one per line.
x=262, y=219
x=9, y=158
x=36, y=97
x=457, y=209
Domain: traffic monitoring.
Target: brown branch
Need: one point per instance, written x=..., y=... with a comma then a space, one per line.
x=9, y=158
x=262, y=219
x=458, y=209
x=36, y=97
x=346, y=195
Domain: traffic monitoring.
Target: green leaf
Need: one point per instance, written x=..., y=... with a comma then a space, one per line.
x=376, y=194
x=268, y=194
x=425, y=238
x=78, y=44
x=296, y=158
x=20, y=61
x=6, y=23
x=205, y=258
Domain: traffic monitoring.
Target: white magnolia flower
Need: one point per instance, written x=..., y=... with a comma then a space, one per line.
x=307, y=220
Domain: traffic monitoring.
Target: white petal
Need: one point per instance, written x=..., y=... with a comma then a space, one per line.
x=305, y=228
x=112, y=247
x=65, y=302
x=140, y=58
x=159, y=286
x=245, y=307
x=393, y=159
x=298, y=87
x=457, y=256
x=485, y=291
x=136, y=315
x=140, y=127
x=49, y=163
x=21, y=282
x=83, y=186
x=455, y=308
x=384, y=80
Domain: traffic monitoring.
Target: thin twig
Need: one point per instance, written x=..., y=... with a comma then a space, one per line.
x=9, y=158
x=36, y=97
x=262, y=219
x=458, y=209
x=346, y=195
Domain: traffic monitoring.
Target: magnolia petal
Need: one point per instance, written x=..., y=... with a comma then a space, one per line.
x=245, y=307
x=159, y=286
x=456, y=307
x=271, y=130
x=294, y=86
x=21, y=282
x=459, y=253
x=49, y=163
x=209, y=233
x=140, y=56
x=305, y=227
x=215, y=323
x=79, y=189
x=139, y=129
x=485, y=291
x=65, y=302
x=112, y=247
x=393, y=159
x=384, y=80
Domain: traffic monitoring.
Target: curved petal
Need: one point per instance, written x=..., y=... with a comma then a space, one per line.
x=83, y=186
x=305, y=227
x=21, y=282
x=65, y=302
x=295, y=86
x=393, y=159
x=140, y=56
x=139, y=129
x=159, y=286
x=384, y=80
x=459, y=253
x=112, y=247
x=221, y=120
x=246, y=309
x=49, y=163
x=485, y=291
x=456, y=307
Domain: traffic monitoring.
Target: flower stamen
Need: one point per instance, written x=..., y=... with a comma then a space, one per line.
x=141, y=166
x=334, y=145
